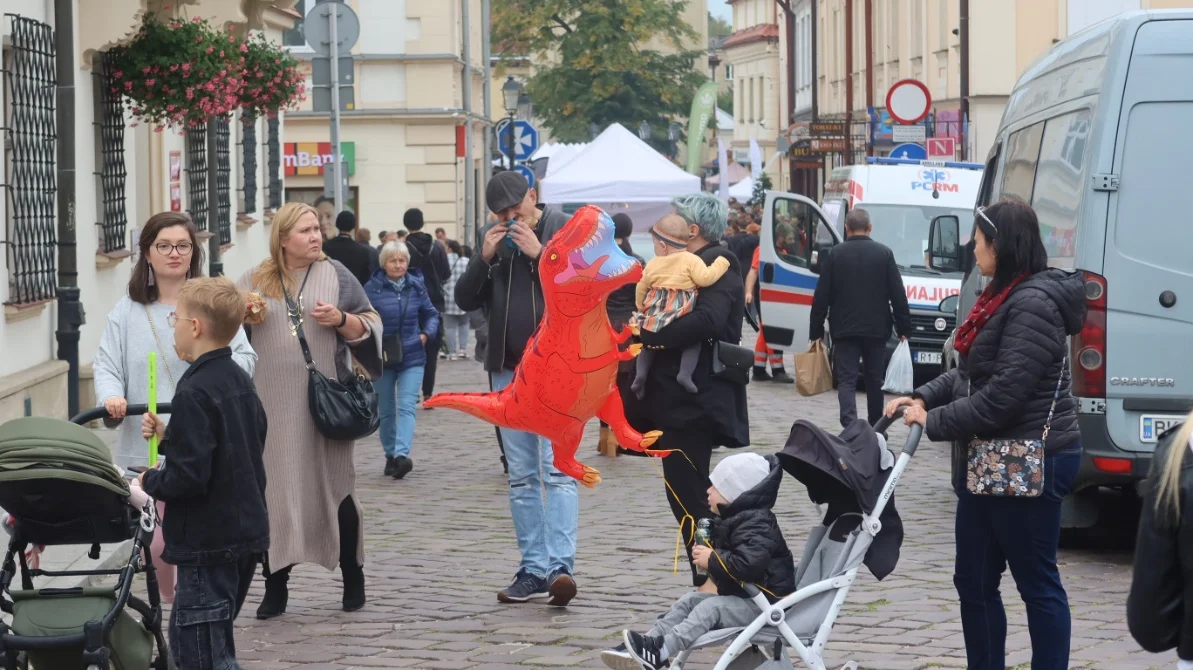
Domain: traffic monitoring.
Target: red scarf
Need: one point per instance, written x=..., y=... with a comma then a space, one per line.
x=987, y=304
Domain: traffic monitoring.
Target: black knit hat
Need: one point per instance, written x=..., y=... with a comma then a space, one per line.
x=413, y=219
x=346, y=221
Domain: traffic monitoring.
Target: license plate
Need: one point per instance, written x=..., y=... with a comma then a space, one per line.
x=1152, y=426
x=927, y=357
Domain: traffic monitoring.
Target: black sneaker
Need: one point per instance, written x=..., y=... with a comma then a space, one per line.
x=647, y=651
x=562, y=588
x=781, y=377
x=402, y=466
x=389, y=466
x=619, y=659
x=524, y=587
x=761, y=375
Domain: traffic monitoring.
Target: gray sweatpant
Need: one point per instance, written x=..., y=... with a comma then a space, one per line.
x=697, y=613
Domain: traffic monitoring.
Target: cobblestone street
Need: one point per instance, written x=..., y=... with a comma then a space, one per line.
x=440, y=544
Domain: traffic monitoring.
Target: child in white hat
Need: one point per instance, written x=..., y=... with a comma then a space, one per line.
x=747, y=548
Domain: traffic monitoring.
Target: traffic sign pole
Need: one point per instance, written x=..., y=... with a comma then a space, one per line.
x=338, y=187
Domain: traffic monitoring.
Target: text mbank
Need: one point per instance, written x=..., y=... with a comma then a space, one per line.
x=930, y=293
x=308, y=159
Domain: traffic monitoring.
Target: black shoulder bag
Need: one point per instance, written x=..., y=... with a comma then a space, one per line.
x=391, y=345
x=343, y=411
x=732, y=362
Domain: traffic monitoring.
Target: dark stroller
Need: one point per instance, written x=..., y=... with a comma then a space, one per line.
x=854, y=479
x=58, y=483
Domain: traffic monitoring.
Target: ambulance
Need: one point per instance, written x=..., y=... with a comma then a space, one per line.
x=902, y=197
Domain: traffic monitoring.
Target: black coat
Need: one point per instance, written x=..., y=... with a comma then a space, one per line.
x=352, y=255
x=749, y=544
x=1012, y=370
x=509, y=292
x=743, y=245
x=861, y=293
x=620, y=304
x=718, y=409
x=374, y=257
x=1160, y=605
x=430, y=259
x=213, y=478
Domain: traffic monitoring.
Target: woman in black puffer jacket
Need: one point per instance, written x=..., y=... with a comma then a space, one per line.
x=1013, y=369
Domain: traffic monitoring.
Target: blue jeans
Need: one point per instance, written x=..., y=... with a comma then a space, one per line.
x=994, y=532
x=543, y=501
x=207, y=599
x=397, y=401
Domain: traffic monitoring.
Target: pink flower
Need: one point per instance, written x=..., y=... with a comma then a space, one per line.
x=210, y=49
x=231, y=39
x=244, y=48
x=197, y=20
x=118, y=74
x=150, y=82
x=146, y=70
x=190, y=93
x=186, y=67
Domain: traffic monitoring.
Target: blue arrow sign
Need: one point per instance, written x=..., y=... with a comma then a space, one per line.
x=526, y=139
x=910, y=151
x=525, y=171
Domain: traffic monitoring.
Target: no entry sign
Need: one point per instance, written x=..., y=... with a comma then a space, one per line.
x=908, y=101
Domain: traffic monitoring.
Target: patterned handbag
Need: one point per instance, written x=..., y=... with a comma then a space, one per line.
x=1012, y=468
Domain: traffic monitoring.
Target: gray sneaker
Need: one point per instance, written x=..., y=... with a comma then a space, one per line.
x=619, y=659
x=525, y=587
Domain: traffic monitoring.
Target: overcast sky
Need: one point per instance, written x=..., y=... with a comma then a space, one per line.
x=719, y=8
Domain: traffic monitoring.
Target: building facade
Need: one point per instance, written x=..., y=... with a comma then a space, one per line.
x=759, y=108
x=403, y=136
x=124, y=173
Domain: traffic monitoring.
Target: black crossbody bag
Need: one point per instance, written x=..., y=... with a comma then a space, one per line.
x=342, y=411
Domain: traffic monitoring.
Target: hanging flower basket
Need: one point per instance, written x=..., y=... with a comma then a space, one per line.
x=181, y=73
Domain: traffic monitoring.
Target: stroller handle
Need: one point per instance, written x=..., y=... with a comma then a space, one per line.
x=87, y=416
x=913, y=437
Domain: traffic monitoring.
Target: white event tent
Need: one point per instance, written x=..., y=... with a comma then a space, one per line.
x=619, y=173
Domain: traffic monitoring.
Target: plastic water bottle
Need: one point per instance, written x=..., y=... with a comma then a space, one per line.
x=702, y=537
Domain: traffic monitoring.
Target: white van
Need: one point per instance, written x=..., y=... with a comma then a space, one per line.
x=902, y=197
x=1094, y=138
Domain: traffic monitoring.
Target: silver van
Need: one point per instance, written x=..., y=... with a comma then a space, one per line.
x=1094, y=138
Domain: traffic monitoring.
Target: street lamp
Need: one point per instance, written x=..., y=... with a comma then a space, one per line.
x=644, y=131
x=510, y=92
x=525, y=107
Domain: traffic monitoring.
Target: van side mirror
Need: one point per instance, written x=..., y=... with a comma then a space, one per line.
x=819, y=254
x=944, y=244
x=949, y=304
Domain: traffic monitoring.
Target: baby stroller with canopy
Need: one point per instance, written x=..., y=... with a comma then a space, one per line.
x=852, y=477
x=58, y=483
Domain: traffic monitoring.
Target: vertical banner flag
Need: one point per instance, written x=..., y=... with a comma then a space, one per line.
x=755, y=160
x=702, y=110
x=723, y=167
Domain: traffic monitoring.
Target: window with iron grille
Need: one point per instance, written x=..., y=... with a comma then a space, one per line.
x=112, y=175
x=275, y=164
x=30, y=139
x=223, y=179
x=196, y=173
x=248, y=149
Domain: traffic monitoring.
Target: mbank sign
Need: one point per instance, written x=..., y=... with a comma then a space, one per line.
x=308, y=158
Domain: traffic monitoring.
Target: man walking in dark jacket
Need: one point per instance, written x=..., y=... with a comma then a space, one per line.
x=345, y=249
x=503, y=280
x=861, y=293
x=431, y=259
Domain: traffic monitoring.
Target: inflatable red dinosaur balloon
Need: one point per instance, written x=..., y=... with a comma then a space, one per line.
x=568, y=374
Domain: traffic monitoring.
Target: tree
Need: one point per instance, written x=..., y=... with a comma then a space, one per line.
x=758, y=197
x=593, y=65
x=718, y=27
x=725, y=100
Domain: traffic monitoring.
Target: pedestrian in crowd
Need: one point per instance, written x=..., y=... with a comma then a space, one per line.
x=620, y=307
x=1160, y=599
x=861, y=293
x=430, y=260
x=314, y=514
x=455, y=320
x=410, y=321
x=347, y=251
x=364, y=237
x=215, y=480
x=327, y=216
x=383, y=238
x=1012, y=385
x=743, y=243
x=399, y=236
x=749, y=549
x=441, y=237
x=504, y=281
x=764, y=354
x=168, y=253
x=695, y=423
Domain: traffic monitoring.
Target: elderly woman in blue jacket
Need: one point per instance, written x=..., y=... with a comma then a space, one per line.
x=410, y=320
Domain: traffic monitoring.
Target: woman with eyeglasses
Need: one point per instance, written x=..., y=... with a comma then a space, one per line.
x=168, y=255
x=1009, y=398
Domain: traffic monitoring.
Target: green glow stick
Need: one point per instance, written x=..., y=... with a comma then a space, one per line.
x=153, y=406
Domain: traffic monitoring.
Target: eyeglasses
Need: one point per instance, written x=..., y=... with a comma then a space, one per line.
x=172, y=319
x=183, y=249
x=981, y=211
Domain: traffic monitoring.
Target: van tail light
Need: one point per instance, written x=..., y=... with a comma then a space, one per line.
x=1115, y=466
x=1088, y=357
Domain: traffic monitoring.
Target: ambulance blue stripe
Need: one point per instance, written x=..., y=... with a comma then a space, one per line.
x=785, y=277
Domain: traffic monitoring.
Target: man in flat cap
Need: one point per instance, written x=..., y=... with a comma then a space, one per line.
x=503, y=280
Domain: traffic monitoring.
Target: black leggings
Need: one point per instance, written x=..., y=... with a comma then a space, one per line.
x=349, y=522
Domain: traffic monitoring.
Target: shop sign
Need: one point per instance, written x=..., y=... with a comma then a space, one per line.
x=308, y=158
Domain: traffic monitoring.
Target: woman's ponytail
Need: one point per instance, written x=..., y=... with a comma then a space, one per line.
x=1168, y=493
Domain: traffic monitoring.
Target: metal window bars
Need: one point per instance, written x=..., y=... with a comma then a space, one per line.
x=248, y=149
x=223, y=178
x=30, y=135
x=196, y=173
x=112, y=175
x=275, y=164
